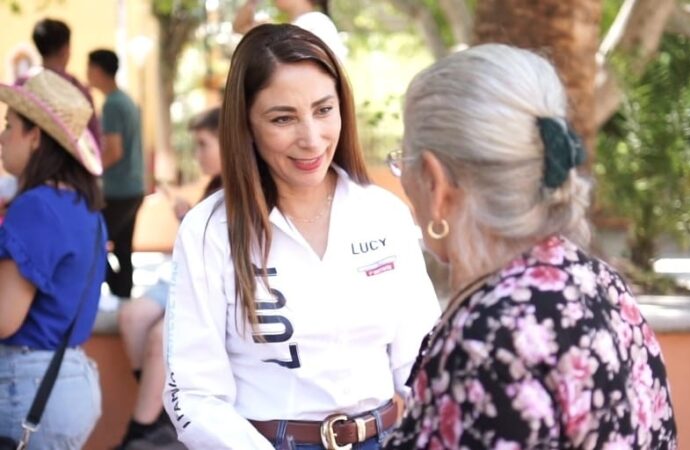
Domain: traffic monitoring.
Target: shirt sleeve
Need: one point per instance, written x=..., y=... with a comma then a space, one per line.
x=419, y=306
x=113, y=118
x=24, y=238
x=200, y=390
x=94, y=128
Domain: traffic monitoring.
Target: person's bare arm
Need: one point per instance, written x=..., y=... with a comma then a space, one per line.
x=112, y=149
x=16, y=296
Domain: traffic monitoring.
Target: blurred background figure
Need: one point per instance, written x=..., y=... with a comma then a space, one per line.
x=141, y=320
x=312, y=15
x=8, y=187
x=52, y=40
x=123, y=179
x=52, y=260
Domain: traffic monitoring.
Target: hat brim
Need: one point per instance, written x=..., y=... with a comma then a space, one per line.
x=83, y=148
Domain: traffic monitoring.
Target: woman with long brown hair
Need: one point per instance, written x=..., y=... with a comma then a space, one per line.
x=300, y=294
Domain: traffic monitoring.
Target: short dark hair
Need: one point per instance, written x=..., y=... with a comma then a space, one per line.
x=53, y=163
x=206, y=120
x=107, y=60
x=50, y=36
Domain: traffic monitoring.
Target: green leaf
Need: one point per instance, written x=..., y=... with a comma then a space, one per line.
x=643, y=168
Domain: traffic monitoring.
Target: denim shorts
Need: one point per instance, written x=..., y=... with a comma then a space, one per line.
x=159, y=293
x=74, y=404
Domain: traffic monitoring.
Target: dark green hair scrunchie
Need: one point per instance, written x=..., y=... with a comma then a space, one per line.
x=563, y=151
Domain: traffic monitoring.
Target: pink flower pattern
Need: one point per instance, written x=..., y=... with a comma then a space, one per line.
x=556, y=355
x=450, y=425
x=549, y=252
x=545, y=278
x=629, y=309
x=650, y=340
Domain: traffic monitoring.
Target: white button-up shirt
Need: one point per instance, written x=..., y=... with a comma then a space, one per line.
x=339, y=333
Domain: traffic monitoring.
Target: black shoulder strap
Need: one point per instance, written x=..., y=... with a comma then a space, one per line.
x=38, y=406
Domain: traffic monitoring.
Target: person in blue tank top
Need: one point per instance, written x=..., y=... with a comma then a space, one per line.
x=52, y=259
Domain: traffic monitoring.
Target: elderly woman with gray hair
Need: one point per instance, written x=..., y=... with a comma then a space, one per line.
x=543, y=346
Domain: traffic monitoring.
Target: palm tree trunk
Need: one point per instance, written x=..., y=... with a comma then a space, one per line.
x=565, y=31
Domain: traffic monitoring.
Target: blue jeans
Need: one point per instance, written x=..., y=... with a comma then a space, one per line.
x=284, y=442
x=74, y=405
x=369, y=444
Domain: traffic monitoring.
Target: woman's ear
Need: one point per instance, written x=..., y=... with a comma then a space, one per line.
x=442, y=190
x=34, y=138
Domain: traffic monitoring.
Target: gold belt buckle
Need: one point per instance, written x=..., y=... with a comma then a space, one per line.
x=361, y=429
x=328, y=435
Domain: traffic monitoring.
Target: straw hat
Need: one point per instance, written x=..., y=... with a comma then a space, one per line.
x=59, y=109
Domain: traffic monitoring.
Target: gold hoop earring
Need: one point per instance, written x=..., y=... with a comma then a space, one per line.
x=445, y=229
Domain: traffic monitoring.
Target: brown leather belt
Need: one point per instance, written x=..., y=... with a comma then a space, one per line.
x=336, y=432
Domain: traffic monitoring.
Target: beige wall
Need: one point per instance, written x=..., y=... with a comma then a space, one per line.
x=94, y=24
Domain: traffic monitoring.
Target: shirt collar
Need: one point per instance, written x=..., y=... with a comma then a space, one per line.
x=278, y=219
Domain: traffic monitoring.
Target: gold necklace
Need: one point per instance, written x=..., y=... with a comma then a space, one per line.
x=316, y=218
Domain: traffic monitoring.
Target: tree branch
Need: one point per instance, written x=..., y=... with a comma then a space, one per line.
x=608, y=95
x=636, y=33
x=618, y=27
x=460, y=19
x=679, y=22
x=421, y=14
x=643, y=26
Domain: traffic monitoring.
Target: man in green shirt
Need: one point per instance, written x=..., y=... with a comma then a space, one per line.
x=123, y=178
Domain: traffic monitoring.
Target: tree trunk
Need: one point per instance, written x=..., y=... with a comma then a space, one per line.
x=565, y=31
x=175, y=31
x=165, y=166
x=679, y=22
x=421, y=14
x=636, y=34
x=642, y=240
x=459, y=18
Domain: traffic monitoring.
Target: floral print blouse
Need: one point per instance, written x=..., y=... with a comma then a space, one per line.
x=551, y=352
